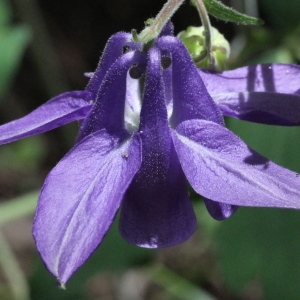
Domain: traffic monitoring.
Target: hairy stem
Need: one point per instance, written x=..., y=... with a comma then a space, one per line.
x=207, y=30
x=152, y=31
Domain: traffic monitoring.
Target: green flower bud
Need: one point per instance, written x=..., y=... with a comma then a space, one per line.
x=194, y=40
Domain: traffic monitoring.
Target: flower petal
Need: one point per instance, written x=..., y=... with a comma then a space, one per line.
x=108, y=111
x=56, y=112
x=219, y=210
x=190, y=97
x=156, y=211
x=113, y=50
x=80, y=198
x=222, y=168
x=168, y=29
x=268, y=94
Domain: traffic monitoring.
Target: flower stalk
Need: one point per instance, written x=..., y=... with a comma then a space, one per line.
x=207, y=30
x=157, y=24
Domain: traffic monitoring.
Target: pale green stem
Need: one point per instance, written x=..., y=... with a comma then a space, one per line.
x=207, y=30
x=12, y=271
x=153, y=30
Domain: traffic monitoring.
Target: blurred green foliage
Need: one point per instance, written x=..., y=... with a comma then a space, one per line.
x=13, y=41
x=282, y=15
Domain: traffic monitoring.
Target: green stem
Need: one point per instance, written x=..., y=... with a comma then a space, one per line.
x=152, y=31
x=12, y=271
x=207, y=30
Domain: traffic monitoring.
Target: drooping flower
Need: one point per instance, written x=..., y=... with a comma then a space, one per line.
x=149, y=125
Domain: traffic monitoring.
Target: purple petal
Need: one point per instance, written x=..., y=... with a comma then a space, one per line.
x=190, y=97
x=222, y=168
x=113, y=50
x=218, y=210
x=108, y=111
x=80, y=198
x=168, y=29
x=58, y=111
x=156, y=211
x=268, y=94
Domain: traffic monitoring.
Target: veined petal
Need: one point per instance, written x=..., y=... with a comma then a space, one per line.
x=80, y=198
x=56, y=112
x=190, y=97
x=113, y=50
x=261, y=107
x=156, y=211
x=273, y=78
x=268, y=94
x=222, y=168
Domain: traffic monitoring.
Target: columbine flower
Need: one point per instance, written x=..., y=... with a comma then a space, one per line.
x=149, y=126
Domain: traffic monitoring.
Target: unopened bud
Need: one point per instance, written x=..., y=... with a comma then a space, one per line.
x=194, y=40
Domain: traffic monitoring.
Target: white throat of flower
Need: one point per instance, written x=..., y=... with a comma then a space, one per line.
x=133, y=105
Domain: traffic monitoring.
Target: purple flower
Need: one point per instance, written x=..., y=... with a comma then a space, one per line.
x=150, y=124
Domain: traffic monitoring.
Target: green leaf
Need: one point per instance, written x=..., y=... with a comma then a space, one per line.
x=223, y=12
x=12, y=44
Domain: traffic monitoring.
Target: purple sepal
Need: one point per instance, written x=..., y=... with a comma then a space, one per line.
x=58, y=111
x=80, y=198
x=268, y=94
x=220, y=167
